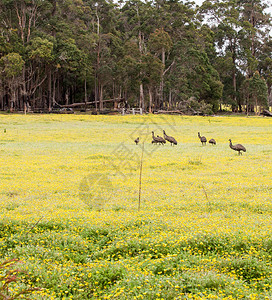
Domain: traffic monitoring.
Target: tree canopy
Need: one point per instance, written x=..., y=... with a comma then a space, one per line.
x=154, y=54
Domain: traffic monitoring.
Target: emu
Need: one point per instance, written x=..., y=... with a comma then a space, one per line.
x=203, y=139
x=212, y=141
x=158, y=139
x=170, y=139
x=237, y=147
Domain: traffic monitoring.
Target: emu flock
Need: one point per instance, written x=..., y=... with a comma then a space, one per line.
x=162, y=140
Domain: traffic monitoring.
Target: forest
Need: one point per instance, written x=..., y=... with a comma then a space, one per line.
x=154, y=55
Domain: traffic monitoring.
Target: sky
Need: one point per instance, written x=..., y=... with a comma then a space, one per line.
x=269, y=2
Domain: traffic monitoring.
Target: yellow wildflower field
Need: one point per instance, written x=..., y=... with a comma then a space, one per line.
x=70, y=211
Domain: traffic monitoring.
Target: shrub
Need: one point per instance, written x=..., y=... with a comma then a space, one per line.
x=9, y=278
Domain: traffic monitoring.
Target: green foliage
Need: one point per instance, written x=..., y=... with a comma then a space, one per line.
x=258, y=89
x=255, y=90
x=107, y=276
x=68, y=55
x=102, y=49
x=12, y=64
x=151, y=68
x=40, y=50
x=10, y=278
x=199, y=107
x=239, y=37
x=201, y=80
x=248, y=269
x=160, y=41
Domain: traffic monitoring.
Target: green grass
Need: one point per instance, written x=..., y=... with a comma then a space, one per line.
x=69, y=207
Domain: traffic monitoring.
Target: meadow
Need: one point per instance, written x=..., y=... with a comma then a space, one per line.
x=70, y=211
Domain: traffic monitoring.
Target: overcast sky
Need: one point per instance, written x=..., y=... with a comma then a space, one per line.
x=199, y=2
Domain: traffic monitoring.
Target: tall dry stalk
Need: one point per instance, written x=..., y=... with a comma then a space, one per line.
x=140, y=178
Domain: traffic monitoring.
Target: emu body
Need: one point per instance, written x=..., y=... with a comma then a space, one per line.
x=158, y=139
x=203, y=139
x=237, y=147
x=170, y=139
x=212, y=141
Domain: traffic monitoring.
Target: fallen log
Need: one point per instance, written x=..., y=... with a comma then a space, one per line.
x=170, y=112
x=267, y=113
x=92, y=102
x=77, y=104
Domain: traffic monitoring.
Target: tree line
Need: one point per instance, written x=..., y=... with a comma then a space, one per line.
x=158, y=54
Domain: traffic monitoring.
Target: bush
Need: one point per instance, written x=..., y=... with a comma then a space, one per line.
x=11, y=278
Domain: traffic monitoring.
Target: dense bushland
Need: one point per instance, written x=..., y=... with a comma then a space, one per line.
x=149, y=54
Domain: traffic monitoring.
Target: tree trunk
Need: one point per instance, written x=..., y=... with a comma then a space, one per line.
x=24, y=90
x=85, y=93
x=150, y=100
x=54, y=9
x=247, y=108
x=141, y=100
x=234, y=84
x=252, y=21
x=54, y=89
x=41, y=102
x=12, y=99
x=170, y=99
x=101, y=98
x=142, y=104
x=256, y=104
x=96, y=93
x=67, y=97
x=2, y=100
x=162, y=78
x=49, y=90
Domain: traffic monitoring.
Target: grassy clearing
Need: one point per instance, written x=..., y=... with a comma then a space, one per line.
x=69, y=198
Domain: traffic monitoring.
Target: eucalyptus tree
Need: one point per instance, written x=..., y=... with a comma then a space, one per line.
x=39, y=55
x=129, y=72
x=256, y=48
x=102, y=22
x=152, y=69
x=68, y=26
x=265, y=65
x=228, y=28
x=257, y=25
x=11, y=66
x=255, y=92
x=160, y=43
x=182, y=33
x=240, y=28
x=137, y=23
x=23, y=18
x=189, y=47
